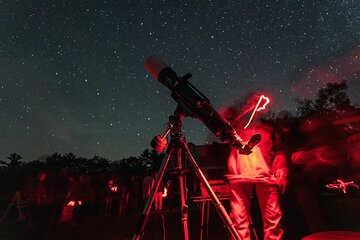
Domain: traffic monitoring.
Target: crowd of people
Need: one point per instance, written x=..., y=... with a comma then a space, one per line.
x=54, y=197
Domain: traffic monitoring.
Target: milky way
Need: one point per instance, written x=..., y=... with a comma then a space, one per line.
x=72, y=76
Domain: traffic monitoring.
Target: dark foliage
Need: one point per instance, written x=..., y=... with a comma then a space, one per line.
x=332, y=99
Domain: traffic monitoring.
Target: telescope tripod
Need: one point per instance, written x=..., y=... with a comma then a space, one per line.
x=176, y=146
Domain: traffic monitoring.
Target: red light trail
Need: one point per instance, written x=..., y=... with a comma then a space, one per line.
x=257, y=108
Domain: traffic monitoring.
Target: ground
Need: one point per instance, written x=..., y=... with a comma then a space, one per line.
x=117, y=228
x=339, y=215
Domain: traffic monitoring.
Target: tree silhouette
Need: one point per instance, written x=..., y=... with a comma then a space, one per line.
x=151, y=160
x=69, y=156
x=98, y=163
x=130, y=165
x=14, y=159
x=332, y=99
x=54, y=157
x=55, y=160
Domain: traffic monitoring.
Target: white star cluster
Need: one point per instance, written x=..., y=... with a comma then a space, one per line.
x=73, y=77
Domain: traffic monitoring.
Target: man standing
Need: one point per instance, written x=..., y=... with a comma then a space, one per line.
x=147, y=185
x=263, y=173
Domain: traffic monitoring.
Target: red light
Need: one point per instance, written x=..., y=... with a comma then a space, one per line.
x=341, y=184
x=267, y=101
x=71, y=203
x=258, y=108
x=164, y=193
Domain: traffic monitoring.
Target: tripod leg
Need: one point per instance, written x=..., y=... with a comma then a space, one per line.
x=184, y=207
x=145, y=214
x=13, y=201
x=219, y=207
x=19, y=206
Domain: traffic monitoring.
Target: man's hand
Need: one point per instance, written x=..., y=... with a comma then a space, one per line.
x=281, y=177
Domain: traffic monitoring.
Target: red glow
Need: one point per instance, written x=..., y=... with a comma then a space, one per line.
x=318, y=157
x=325, y=150
x=267, y=101
x=258, y=108
x=112, y=186
x=353, y=144
x=71, y=203
x=334, y=71
x=341, y=184
x=333, y=235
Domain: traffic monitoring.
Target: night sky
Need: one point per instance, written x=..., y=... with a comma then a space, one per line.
x=72, y=76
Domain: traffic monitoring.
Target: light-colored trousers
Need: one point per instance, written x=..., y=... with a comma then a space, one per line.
x=268, y=198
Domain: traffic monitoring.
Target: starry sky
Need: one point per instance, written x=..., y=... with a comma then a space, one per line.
x=72, y=76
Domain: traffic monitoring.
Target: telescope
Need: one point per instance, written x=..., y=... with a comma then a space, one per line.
x=195, y=104
x=191, y=102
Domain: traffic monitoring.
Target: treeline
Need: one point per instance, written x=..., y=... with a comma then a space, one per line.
x=331, y=106
x=149, y=160
x=16, y=174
